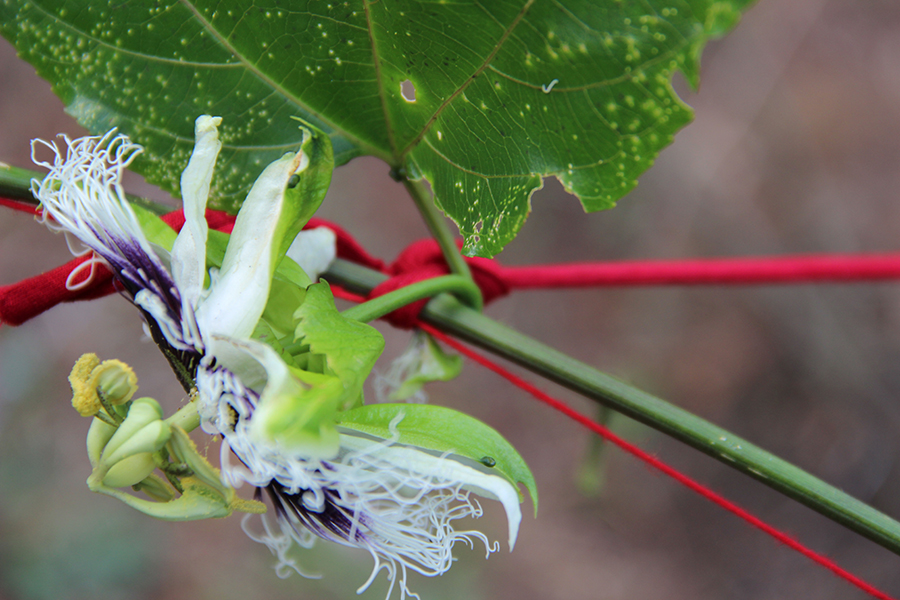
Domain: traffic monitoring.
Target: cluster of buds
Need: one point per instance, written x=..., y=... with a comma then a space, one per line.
x=128, y=441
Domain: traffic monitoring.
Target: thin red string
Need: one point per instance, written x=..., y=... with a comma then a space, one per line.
x=656, y=463
x=710, y=271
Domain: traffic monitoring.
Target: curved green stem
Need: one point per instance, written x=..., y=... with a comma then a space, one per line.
x=463, y=288
x=15, y=183
x=437, y=225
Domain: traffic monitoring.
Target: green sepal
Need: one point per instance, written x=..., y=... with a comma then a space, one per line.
x=155, y=229
x=264, y=333
x=304, y=195
x=349, y=348
x=155, y=487
x=442, y=429
x=286, y=295
x=185, y=451
x=302, y=420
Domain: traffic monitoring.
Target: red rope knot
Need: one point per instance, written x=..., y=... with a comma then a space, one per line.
x=423, y=260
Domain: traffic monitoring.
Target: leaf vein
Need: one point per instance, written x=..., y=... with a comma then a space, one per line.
x=251, y=68
x=149, y=57
x=484, y=65
x=384, y=107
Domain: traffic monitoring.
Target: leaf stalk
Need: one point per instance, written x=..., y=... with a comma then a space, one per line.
x=437, y=225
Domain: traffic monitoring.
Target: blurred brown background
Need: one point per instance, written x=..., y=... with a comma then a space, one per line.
x=795, y=148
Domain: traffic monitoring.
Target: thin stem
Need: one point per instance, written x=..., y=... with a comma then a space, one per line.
x=373, y=309
x=186, y=417
x=15, y=183
x=437, y=225
x=447, y=314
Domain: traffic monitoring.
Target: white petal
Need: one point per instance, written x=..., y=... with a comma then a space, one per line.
x=446, y=468
x=189, y=251
x=314, y=250
x=238, y=298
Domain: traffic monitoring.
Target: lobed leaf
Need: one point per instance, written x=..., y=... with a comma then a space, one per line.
x=506, y=92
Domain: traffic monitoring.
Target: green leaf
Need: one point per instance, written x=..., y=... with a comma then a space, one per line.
x=443, y=429
x=506, y=92
x=349, y=348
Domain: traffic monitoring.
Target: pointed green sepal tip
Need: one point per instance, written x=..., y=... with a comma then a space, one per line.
x=156, y=488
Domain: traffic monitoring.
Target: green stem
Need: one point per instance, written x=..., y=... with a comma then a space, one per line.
x=452, y=317
x=437, y=225
x=186, y=417
x=15, y=184
x=376, y=308
x=448, y=314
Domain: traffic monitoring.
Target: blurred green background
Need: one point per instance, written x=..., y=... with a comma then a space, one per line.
x=796, y=148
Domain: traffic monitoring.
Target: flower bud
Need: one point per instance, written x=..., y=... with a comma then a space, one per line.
x=130, y=471
x=141, y=413
x=90, y=378
x=148, y=439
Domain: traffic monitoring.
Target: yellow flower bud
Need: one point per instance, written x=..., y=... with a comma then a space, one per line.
x=84, y=395
x=89, y=378
x=116, y=381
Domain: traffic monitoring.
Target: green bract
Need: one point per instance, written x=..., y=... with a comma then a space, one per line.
x=349, y=348
x=443, y=430
x=513, y=91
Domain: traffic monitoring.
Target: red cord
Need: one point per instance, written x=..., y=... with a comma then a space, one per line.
x=656, y=463
x=25, y=300
x=710, y=271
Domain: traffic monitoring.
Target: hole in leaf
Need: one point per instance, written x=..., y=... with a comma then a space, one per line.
x=408, y=91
